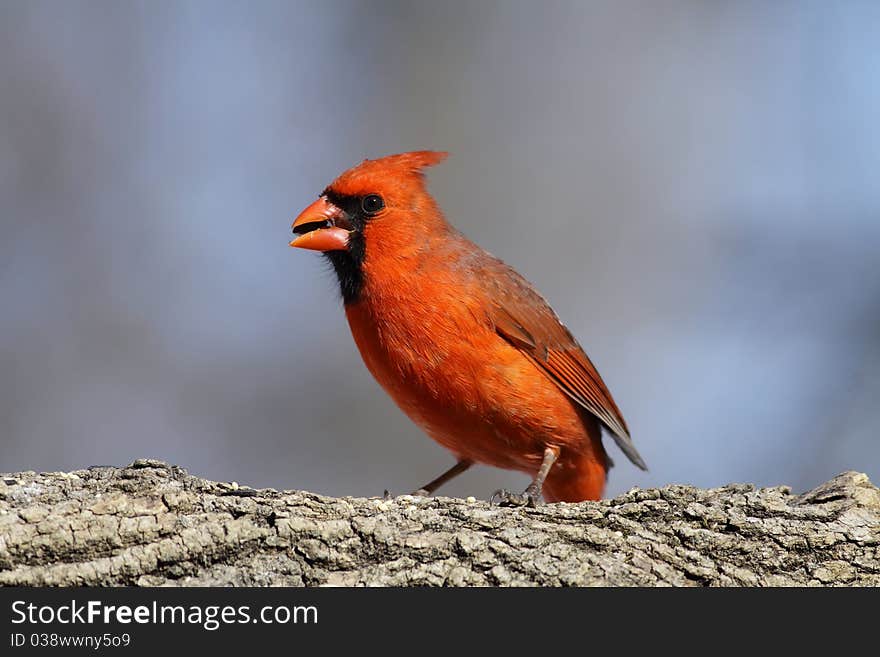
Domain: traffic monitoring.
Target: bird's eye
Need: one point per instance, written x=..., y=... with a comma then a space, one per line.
x=372, y=203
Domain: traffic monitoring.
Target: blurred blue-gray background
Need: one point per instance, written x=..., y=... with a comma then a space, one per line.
x=712, y=170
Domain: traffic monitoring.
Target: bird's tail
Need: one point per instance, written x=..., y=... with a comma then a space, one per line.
x=577, y=477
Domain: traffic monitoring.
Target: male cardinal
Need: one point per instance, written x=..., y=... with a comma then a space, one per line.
x=465, y=346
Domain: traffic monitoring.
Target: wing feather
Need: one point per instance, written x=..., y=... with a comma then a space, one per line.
x=523, y=318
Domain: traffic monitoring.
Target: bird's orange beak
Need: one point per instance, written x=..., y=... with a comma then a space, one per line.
x=322, y=227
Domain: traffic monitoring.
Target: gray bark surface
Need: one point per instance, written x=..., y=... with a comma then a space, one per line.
x=153, y=524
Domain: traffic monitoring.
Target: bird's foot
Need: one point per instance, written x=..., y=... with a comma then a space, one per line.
x=421, y=492
x=528, y=497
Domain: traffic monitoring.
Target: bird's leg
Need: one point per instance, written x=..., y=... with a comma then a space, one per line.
x=451, y=473
x=531, y=495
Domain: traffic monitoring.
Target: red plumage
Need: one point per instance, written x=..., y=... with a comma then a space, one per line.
x=463, y=343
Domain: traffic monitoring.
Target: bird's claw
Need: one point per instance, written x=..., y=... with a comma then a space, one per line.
x=503, y=497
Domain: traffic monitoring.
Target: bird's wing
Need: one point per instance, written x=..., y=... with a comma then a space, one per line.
x=523, y=318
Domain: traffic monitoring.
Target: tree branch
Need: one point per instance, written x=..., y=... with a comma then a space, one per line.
x=152, y=523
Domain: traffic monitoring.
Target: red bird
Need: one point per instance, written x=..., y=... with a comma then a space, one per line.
x=463, y=343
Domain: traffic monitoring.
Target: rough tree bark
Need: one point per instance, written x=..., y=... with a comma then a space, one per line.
x=153, y=524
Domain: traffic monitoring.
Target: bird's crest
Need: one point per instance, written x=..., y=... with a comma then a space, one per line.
x=414, y=161
x=401, y=169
